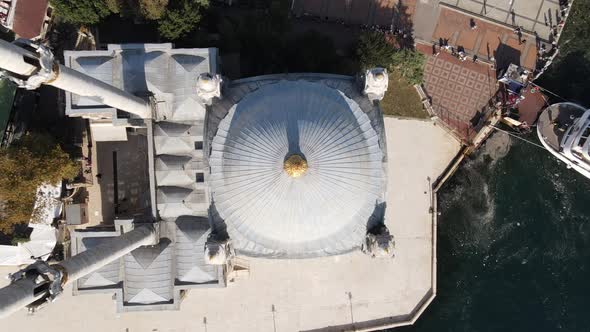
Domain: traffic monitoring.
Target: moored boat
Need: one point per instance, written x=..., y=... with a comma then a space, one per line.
x=563, y=129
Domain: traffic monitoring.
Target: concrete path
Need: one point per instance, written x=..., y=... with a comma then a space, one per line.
x=342, y=292
x=425, y=19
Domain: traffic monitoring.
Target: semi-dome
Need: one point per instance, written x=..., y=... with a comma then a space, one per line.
x=296, y=171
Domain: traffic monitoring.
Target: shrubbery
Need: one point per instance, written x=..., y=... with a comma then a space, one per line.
x=25, y=165
x=175, y=18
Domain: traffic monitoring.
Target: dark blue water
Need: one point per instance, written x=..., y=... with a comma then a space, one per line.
x=513, y=245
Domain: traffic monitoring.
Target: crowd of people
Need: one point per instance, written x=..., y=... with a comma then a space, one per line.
x=458, y=52
x=545, y=51
x=546, y=55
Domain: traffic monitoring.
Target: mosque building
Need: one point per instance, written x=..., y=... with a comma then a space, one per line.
x=287, y=166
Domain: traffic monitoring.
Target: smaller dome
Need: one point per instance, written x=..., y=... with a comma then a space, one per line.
x=295, y=166
x=379, y=77
x=205, y=82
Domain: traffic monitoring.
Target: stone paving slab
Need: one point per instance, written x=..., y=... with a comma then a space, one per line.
x=132, y=179
x=533, y=15
x=486, y=39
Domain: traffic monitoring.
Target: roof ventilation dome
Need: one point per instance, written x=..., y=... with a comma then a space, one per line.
x=208, y=87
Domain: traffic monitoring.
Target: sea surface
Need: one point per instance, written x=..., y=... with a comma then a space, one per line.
x=513, y=244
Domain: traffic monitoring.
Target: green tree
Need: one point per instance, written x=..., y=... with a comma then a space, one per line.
x=115, y=6
x=181, y=17
x=374, y=51
x=34, y=160
x=263, y=39
x=152, y=9
x=410, y=64
x=82, y=11
x=312, y=52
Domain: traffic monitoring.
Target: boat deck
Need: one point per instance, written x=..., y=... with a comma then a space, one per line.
x=532, y=105
x=554, y=122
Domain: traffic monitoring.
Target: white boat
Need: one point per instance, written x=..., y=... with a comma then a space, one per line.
x=563, y=129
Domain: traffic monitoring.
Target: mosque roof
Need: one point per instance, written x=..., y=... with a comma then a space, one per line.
x=324, y=210
x=152, y=277
x=169, y=74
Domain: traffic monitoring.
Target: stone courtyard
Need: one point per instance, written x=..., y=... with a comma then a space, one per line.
x=490, y=42
x=335, y=293
x=532, y=15
x=458, y=90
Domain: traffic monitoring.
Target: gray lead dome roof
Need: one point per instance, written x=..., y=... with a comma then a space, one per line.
x=326, y=210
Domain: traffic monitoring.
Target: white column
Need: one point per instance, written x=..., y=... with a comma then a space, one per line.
x=21, y=292
x=17, y=295
x=95, y=258
x=12, y=59
x=83, y=85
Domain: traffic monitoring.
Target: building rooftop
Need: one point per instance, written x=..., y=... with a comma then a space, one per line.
x=202, y=160
x=169, y=74
x=347, y=292
x=29, y=18
x=151, y=277
x=326, y=209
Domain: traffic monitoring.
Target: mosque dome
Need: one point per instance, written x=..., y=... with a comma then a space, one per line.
x=296, y=171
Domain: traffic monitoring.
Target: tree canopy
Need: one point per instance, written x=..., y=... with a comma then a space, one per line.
x=152, y=9
x=374, y=51
x=175, y=18
x=82, y=11
x=25, y=165
x=410, y=65
x=181, y=17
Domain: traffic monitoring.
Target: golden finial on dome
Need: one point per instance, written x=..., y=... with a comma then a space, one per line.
x=295, y=166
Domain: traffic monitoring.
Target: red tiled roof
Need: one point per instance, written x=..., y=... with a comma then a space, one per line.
x=28, y=18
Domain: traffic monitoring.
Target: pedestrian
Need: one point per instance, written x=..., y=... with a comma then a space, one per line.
x=472, y=24
x=542, y=50
x=537, y=40
x=475, y=58
x=519, y=34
